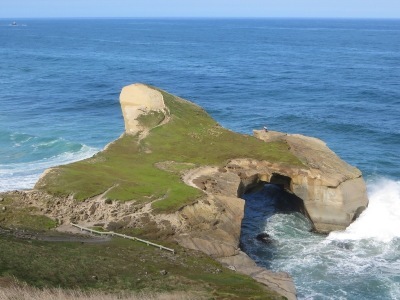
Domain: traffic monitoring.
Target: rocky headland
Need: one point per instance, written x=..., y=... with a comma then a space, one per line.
x=177, y=175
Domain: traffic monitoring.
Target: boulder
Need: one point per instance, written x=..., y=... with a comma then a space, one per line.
x=264, y=237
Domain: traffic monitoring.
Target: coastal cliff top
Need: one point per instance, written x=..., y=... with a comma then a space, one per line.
x=315, y=154
x=165, y=136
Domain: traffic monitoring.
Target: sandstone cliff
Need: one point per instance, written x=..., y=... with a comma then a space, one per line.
x=177, y=174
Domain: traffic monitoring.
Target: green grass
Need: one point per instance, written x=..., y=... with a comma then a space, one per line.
x=22, y=217
x=128, y=167
x=122, y=265
x=152, y=119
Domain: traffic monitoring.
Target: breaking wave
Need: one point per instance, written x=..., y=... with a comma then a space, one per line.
x=361, y=262
x=32, y=155
x=381, y=220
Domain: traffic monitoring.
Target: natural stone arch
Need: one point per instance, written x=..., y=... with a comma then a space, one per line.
x=292, y=201
x=284, y=182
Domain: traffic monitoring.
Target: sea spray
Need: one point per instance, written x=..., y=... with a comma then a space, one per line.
x=361, y=262
x=381, y=220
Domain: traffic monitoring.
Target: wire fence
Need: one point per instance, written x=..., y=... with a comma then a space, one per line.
x=112, y=233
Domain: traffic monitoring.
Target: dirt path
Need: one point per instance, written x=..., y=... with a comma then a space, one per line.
x=67, y=233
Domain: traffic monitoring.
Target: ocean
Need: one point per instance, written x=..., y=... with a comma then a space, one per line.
x=338, y=80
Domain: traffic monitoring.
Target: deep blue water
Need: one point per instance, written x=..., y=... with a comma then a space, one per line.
x=338, y=80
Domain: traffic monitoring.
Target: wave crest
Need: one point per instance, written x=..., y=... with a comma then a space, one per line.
x=381, y=220
x=24, y=175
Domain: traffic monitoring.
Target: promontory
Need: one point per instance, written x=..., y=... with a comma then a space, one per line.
x=176, y=176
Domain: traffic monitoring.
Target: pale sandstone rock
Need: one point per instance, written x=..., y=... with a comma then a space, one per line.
x=138, y=99
x=214, y=225
x=280, y=282
x=334, y=192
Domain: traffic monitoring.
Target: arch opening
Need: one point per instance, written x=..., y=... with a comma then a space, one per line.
x=264, y=199
x=288, y=201
x=284, y=182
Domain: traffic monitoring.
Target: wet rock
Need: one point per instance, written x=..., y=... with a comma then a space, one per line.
x=344, y=245
x=264, y=237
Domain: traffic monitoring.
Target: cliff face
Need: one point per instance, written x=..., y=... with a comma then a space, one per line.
x=176, y=171
x=334, y=193
x=145, y=102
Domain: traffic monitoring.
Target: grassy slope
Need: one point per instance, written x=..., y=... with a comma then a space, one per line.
x=16, y=215
x=122, y=265
x=115, y=266
x=128, y=166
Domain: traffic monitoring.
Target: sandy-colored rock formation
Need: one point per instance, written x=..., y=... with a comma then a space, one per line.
x=137, y=100
x=329, y=191
x=325, y=188
x=333, y=192
x=214, y=225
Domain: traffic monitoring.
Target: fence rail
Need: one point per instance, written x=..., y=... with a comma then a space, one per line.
x=112, y=233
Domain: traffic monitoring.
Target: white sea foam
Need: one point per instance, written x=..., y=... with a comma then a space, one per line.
x=361, y=262
x=381, y=220
x=24, y=175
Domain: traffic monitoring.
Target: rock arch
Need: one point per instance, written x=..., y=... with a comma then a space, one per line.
x=284, y=182
x=331, y=201
x=291, y=201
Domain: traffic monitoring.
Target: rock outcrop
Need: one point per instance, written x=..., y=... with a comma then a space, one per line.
x=333, y=192
x=215, y=225
x=138, y=100
x=330, y=192
x=162, y=140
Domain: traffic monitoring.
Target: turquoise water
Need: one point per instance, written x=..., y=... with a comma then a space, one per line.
x=338, y=80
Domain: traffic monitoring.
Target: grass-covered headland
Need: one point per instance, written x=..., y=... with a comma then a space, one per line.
x=140, y=169
x=128, y=170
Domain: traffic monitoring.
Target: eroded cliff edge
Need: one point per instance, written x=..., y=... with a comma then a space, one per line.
x=176, y=174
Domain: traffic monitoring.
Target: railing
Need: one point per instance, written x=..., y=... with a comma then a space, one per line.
x=112, y=233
